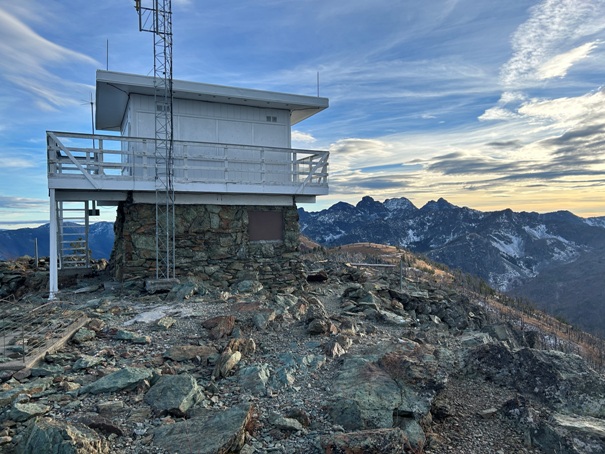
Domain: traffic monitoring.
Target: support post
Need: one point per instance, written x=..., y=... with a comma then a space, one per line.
x=54, y=276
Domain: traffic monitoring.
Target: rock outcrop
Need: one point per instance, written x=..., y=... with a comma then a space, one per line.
x=356, y=363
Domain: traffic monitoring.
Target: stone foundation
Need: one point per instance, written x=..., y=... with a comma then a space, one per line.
x=212, y=243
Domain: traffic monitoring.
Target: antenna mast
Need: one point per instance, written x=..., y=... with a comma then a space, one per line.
x=156, y=17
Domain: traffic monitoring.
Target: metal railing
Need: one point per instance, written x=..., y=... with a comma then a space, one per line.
x=117, y=162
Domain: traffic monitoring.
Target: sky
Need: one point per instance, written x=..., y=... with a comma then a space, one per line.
x=489, y=104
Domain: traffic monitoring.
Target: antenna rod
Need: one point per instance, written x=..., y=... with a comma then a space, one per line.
x=318, y=84
x=107, y=56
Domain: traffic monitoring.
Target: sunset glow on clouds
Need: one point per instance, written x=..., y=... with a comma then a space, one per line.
x=488, y=104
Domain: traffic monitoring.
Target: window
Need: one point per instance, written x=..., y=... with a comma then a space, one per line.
x=271, y=119
x=265, y=225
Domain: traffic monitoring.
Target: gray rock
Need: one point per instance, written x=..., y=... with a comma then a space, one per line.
x=592, y=427
x=247, y=286
x=319, y=326
x=254, y=379
x=23, y=411
x=129, y=336
x=333, y=349
x=263, y=317
x=160, y=285
x=394, y=319
x=375, y=441
x=561, y=380
x=43, y=434
x=189, y=352
x=35, y=386
x=83, y=335
x=316, y=309
x=313, y=362
x=46, y=370
x=220, y=326
x=123, y=379
x=86, y=362
x=366, y=396
x=184, y=291
x=474, y=339
x=218, y=431
x=227, y=361
x=283, y=377
x=285, y=424
x=174, y=394
x=394, y=391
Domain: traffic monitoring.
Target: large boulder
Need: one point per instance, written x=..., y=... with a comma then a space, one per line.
x=47, y=435
x=374, y=441
x=174, y=394
x=393, y=390
x=208, y=431
x=561, y=380
x=127, y=378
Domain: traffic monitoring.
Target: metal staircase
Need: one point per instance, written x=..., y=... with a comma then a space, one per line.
x=72, y=234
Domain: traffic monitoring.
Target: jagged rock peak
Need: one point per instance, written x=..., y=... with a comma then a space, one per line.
x=439, y=205
x=368, y=203
x=397, y=204
x=342, y=206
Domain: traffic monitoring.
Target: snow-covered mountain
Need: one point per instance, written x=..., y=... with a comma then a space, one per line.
x=514, y=252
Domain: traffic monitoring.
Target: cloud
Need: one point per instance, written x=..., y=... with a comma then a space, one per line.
x=551, y=27
x=22, y=203
x=566, y=111
x=498, y=113
x=22, y=223
x=303, y=137
x=560, y=64
x=25, y=59
x=507, y=144
x=467, y=164
x=11, y=162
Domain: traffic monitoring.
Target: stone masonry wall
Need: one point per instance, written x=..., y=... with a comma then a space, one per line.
x=212, y=244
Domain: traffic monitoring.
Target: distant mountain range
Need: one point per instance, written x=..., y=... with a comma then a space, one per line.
x=20, y=242
x=555, y=259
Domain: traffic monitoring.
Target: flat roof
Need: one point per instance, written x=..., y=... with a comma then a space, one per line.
x=114, y=88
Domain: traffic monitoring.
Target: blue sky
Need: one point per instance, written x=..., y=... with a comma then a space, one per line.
x=488, y=103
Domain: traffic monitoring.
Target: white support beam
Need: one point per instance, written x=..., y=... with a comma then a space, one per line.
x=54, y=272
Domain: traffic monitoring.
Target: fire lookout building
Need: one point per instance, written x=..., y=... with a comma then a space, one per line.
x=236, y=180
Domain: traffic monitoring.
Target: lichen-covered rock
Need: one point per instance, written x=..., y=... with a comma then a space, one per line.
x=127, y=378
x=216, y=432
x=174, y=394
x=189, y=352
x=45, y=435
x=373, y=441
x=254, y=378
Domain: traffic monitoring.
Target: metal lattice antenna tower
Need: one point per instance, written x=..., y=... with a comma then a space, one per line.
x=157, y=19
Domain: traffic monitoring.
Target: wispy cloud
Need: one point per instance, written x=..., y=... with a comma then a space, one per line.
x=25, y=59
x=22, y=203
x=552, y=27
x=12, y=162
x=560, y=64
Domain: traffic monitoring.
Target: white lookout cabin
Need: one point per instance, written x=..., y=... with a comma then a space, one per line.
x=232, y=159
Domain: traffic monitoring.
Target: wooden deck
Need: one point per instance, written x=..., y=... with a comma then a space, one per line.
x=87, y=162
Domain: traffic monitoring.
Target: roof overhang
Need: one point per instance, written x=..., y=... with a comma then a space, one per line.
x=114, y=89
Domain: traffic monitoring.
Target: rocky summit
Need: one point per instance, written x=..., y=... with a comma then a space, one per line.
x=357, y=359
